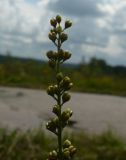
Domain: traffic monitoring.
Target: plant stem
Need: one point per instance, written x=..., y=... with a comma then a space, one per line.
x=59, y=104
x=60, y=129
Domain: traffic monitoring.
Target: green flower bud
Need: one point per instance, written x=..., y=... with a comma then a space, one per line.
x=53, y=30
x=58, y=18
x=65, y=116
x=67, y=55
x=52, y=36
x=73, y=151
x=63, y=37
x=55, y=122
x=69, y=111
x=66, y=97
x=70, y=86
x=59, y=77
x=54, y=153
x=59, y=29
x=66, y=154
x=68, y=24
x=56, y=90
x=66, y=81
x=47, y=125
x=50, y=154
x=50, y=126
x=50, y=54
x=50, y=90
x=71, y=147
x=52, y=63
x=66, y=143
x=56, y=110
x=65, y=149
x=54, y=56
x=53, y=22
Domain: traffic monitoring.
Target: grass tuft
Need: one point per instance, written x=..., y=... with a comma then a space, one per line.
x=35, y=145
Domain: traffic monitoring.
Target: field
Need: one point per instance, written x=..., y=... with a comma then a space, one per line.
x=35, y=145
x=96, y=76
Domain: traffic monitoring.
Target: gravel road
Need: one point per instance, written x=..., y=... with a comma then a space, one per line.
x=27, y=109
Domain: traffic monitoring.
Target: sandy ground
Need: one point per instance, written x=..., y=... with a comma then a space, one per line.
x=27, y=109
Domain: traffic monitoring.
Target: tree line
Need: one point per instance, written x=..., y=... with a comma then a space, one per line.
x=94, y=76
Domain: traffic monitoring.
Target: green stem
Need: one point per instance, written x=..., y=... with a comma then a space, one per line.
x=59, y=104
x=60, y=130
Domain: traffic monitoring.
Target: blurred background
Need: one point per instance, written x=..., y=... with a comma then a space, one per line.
x=97, y=68
x=96, y=40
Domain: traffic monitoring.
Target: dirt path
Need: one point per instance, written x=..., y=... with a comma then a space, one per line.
x=23, y=108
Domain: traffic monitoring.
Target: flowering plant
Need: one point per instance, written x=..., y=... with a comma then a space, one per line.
x=59, y=91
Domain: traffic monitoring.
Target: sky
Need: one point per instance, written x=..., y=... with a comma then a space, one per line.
x=99, y=28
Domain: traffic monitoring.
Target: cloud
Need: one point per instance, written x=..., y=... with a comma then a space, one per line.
x=99, y=28
x=76, y=7
x=21, y=25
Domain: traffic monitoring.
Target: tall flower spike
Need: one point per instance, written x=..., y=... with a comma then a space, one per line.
x=59, y=91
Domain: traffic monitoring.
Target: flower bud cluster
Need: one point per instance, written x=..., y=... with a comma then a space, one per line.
x=58, y=36
x=68, y=150
x=65, y=116
x=53, y=155
x=59, y=91
x=60, y=56
x=52, y=90
x=65, y=84
x=57, y=30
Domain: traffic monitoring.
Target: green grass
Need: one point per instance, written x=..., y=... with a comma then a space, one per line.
x=86, y=78
x=35, y=145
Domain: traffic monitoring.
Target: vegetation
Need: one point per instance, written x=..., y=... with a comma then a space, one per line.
x=35, y=145
x=96, y=76
x=59, y=91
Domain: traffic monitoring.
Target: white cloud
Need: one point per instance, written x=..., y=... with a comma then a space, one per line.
x=22, y=16
x=22, y=22
x=113, y=48
x=101, y=28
